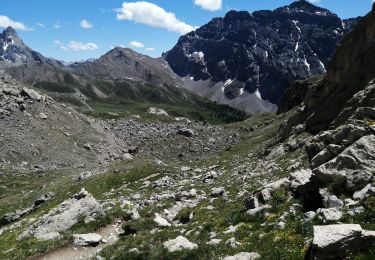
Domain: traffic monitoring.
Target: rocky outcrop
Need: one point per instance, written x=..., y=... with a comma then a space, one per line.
x=16, y=215
x=347, y=92
x=63, y=217
x=296, y=93
x=338, y=241
x=358, y=157
x=350, y=71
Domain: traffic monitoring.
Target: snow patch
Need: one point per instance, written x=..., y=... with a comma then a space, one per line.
x=308, y=66
x=297, y=46
x=228, y=82
x=258, y=95
x=322, y=65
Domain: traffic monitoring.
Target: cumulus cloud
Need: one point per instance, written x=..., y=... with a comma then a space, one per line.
x=150, y=49
x=76, y=46
x=136, y=44
x=210, y=5
x=5, y=22
x=152, y=15
x=314, y=1
x=85, y=24
x=41, y=25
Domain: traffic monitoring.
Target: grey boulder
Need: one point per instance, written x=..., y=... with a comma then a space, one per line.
x=64, y=216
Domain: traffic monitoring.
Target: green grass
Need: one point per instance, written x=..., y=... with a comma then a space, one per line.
x=63, y=185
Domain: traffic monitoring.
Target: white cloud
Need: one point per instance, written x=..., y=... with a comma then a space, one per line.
x=5, y=22
x=76, y=46
x=79, y=46
x=57, y=25
x=85, y=24
x=136, y=44
x=152, y=15
x=314, y=1
x=210, y=5
x=41, y=25
x=150, y=49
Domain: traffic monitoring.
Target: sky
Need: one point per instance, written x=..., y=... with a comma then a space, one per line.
x=74, y=30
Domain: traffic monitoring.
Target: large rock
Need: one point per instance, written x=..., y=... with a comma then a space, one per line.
x=357, y=157
x=162, y=222
x=186, y=132
x=178, y=244
x=364, y=193
x=338, y=241
x=331, y=215
x=299, y=179
x=157, y=111
x=358, y=180
x=64, y=216
x=243, y=256
x=91, y=239
x=32, y=94
x=326, y=155
x=16, y=215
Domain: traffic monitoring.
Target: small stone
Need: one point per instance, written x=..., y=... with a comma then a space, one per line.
x=42, y=116
x=162, y=222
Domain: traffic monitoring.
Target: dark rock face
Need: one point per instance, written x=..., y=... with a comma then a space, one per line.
x=296, y=93
x=265, y=49
x=350, y=71
x=347, y=93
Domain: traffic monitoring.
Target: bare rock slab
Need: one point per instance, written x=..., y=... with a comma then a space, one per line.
x=64, y=216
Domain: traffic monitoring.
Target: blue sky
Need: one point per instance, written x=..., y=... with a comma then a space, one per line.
x=72, y=30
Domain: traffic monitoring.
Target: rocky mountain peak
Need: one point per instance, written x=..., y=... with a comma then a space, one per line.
x=251, y=55
x=238, y=15
x=306, y=6
x=14, y=52
x=9, y=31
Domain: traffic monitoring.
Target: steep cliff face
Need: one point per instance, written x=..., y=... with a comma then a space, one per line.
x=348, y=88
x=263, y=50
x=350, y=71
x=296, y=93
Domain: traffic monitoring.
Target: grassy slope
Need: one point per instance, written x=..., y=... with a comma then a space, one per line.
x=127, y=97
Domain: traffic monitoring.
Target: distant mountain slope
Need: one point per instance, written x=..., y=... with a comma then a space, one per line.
x=121, y=82
x=258, y=52
x=124, y=63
